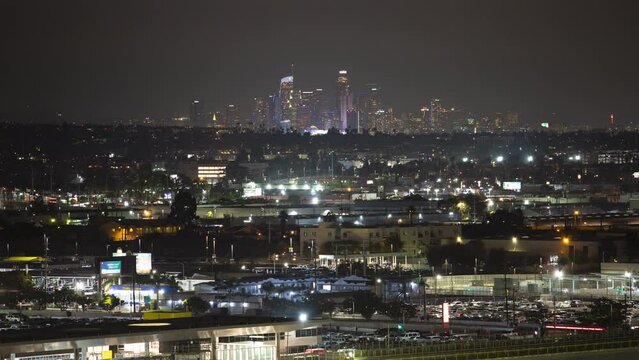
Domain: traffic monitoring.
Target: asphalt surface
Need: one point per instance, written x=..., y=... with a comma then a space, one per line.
x=616, y=354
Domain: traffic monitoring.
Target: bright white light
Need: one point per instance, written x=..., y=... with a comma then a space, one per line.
x=293, y=213
x=530, y=158
x=465, y=159
x=390, y=216
x=500, y=158
x=439, y=277
x=627, y=274
x=577, y=157
x=559, y=274
x=315, y=200
x=303, y=317
x=79, y=285
x=161, y=291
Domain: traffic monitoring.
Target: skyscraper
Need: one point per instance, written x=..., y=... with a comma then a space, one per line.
x=231, y=117
x=288, y=102
x=344, y=98
x=305, y=110
x=196, y=114
x=436, y=115
x=372, y=104
x=261, y=116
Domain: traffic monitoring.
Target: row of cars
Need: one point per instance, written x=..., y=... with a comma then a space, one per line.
x=347, y=339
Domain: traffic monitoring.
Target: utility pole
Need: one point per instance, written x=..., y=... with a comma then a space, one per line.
x=506, y=296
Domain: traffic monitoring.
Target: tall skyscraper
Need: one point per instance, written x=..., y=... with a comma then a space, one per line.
x=196, y=114
x=288, y=101
x=232, y=117
x=436, y=115
x=305, y=110
x=344, y=98
x=372, y=104
x=261, y=117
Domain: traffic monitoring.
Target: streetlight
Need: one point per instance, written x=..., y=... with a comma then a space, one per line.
x=630, y=280
x=514, y=240
x=566, y=241
x=559, y=275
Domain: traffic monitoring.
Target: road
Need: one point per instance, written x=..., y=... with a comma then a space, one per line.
x=617, y=354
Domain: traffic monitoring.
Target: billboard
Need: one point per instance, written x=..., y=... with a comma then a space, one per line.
x=143, y=262
x=110, y=267
x=511, y=185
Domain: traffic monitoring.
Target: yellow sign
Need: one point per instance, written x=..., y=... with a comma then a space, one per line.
x=107, y=354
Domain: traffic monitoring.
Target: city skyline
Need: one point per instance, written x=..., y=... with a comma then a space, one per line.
x=575, y=59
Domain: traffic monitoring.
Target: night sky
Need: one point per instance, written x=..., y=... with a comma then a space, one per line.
x=101, y=61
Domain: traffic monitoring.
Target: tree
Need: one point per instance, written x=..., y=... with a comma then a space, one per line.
x=366, y=303
x=268, y=287
x=110, y=302
x=393, y=243
x=283, y=216
x=411, y=213
x=197, y=305
x=606, y=312
x=183, y=207
x=398, y=310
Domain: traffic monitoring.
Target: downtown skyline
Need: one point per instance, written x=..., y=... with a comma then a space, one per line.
x=119, y=60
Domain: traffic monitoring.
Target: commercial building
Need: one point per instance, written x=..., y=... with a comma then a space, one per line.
x=415, y=239
x=211, y=173
x=205, y=338
x=344, y=98
x=289, y=102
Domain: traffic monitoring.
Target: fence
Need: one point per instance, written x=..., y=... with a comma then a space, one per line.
x=482, y=348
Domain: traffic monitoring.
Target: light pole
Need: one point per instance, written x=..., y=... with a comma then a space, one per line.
x=559, y=275
x=629, y=276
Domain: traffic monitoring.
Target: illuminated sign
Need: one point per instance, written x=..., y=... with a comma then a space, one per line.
x=445, y=313
x=512, y=185
x=545, y=125
x=111, y=267
x=143, y=262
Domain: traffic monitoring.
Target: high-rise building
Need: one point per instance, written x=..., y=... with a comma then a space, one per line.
x=196, y=114
x=231, y=116
x=512, y=121
x=261, y=117
x=344, y=98
x=305, y=110
x=436, y=113
x=288, y=101
x=322, y=116
x=372, y=104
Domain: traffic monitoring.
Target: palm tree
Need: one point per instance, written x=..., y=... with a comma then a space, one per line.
x=411, y=212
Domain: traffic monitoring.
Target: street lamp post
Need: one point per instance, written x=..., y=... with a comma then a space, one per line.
x=629, y=276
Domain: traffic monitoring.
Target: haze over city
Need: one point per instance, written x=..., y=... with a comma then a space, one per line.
x=319, y=180
x=119, y=60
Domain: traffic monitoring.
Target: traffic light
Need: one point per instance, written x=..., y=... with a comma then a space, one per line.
x=400, y=327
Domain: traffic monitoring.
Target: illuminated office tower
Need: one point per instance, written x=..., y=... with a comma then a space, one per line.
x=436, y=115
x=288, y=101
x=261, y=117
x=196, y=114
x=305, y=110
x=372, y=104
x=231, y=116
x=344, y=99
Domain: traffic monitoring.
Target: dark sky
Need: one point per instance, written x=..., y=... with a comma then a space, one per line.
x=100, y=60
